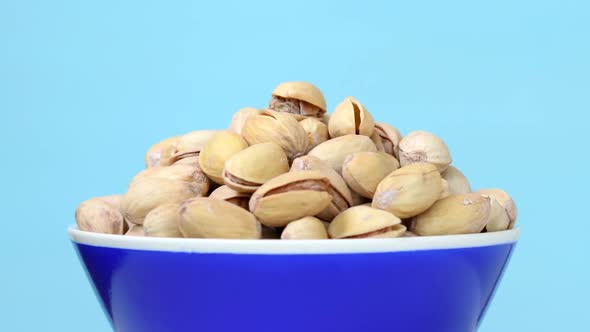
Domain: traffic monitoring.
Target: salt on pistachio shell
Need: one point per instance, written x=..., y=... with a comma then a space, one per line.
x=177, y=172
x=458, y=183
x=341, y=195
x=445, y=189
x=390, y=138
x=376, y=138
x=206, y=217
x=363, y=171
x=163, y=221
x=499, y=220
x=299, y=98
x=227, y=194
x=364, y=221
x=222, y=146
x=291, y=196
x=456, y=214
x=248, y=169
x=505, y=200
x=424, y=147
x=189, y=145
x=160, y=151
x=135, y=230
x=280, y=128
x=351, y=118
x=306, y=228
x=240, y=117
x=97, y=216
x=148, y=193
x=335, y=151
x=317, y=131
x=409, y=191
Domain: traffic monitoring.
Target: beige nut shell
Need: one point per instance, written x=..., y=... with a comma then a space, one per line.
x=335, y=151
x=424, y=147
x=163, y=221
x=390, y=138
x=179, y=172
x=458, y=183
x=317, y=131
x=98, y=216
x=505, y=200
x=221, y=147
x=363, y=171
x=160, y=151
x=304, y=91
x=351, y=118
x=307, y=228
x=360, y=220
x=227, y=194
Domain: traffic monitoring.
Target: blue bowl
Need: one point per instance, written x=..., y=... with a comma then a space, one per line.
x=426, y=284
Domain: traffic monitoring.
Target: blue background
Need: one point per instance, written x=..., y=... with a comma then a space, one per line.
x=87, y=87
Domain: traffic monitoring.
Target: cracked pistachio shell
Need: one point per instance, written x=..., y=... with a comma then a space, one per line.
x=364, y=221
x=185, y=173
x=303, y=91
x=160, y=151
x=291, y=196
x=240, y=117
x=424, y=147
x=307, y=228
x=351, y=118
x=148, y=193
x=458, y=183
x=390, y=138
x=97, y=216
x=280, y=128
x=206, y=217
x=317, y=131
x=222, y=146
x=248, y=169
x=135, y=230
x=409, y=191
x=363, y=171
x=335, y=151
x=505, y=200
x=189, y=145
x=499, y=220
x=378, y=142
x=227, y=194
x=192, y=160
x=163, y=221
x=456, y=214
x=445, y=190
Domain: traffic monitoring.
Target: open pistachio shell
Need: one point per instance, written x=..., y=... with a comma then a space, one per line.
x=499, y=220
x=240, y=117
x=163, y=221
x=424, y=147
x=227, y=194
x=221, y=147
x=307, y=228
x=335, y=151
x=317, y=131
x=351, y=118
x=363, y=171
x=180, y=172
x=298, y=98
x=505, y=200
x=458, y=183
x=189, y=145
x=160, y=151
x=97, y=216
x=364, y=221
x=390, y=138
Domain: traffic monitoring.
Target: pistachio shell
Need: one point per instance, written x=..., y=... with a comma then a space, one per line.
x=248, y=169
x=177, y=172
x=227, y=194
x=505, y=200
x=317, y=131
x=390, y=138
x=307, y=228
x=361, y=221
x=206, y=217
x=97, y=216
x=456, y=214
x=458, y=183
x=189, y=160
x=222, y=146
x=363, y=171
x=163, y=221
x=376, y=138
x=135, y=230
x=160, y=151
x=499, y=220
x=351, y=118
x=409, y=191
x=300, y=91
x=290, y=196
x=336, y=150
x=240, y=117
x=445, y=190
x=424, y=147
x=114, y=200
x=189, y=145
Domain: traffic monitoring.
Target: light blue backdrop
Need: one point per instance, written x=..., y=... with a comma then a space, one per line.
x=86, y=87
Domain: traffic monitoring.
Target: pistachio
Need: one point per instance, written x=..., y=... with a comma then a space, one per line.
x=337, y=149
x=163, y=221
x=227, y=194
x=160, y=151
x=365, y=222
x=499, y=220
x=424, y=147
x=298, y=98
x=148, y=193
x=376, y=138
x=222, y=146
x=458, y=183
x=505, y=200
x=445, y=189
x=307, y=228
x=240, y=117
x=114, y=200
x=177, y=172
x=189, y=160
x=317, y=131
x=351, y=118
x=98, y=216
x=341, y=195
x=409, y=191
x=291, y=196
x=248, y=169
x=456, y=214
x=363, y=171
x=206, y=217
x=390, y=138
x=189, y=145
x=135, y=230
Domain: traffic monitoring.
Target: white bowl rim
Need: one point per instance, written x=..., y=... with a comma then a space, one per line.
x=293, y=246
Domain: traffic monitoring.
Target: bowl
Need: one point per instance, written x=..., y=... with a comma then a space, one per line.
x=432, y=284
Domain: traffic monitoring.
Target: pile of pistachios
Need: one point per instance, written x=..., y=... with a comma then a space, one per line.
x=290, y=171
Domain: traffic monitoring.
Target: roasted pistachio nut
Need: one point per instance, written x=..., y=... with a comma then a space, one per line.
x=206, y=217
x=378, y=142
x=307, y=228
x=185, y=173
x=291, y=196
x=148, y=193
x=409, y=191
x=135, y=230
x=248, y=169
x=499, y=220
x=163, y=221
x=363, y=222
x=409, y=234
x=363, y=171
x=317, y=131
x=227, y=194
x=351, y=118
x=240, y=117
x=222, y=146
x=390, y=138
x=160, y=151
x=190, y=161
x=445, y=190
x=189, y=145
x=280, y=128
x=335, y=151
x=96, y=215
x=341, y=195
x=456, y=214
x=424, y=147
x=458, y=183
x=114, y=200
x=505, y=200
x=298, y=98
